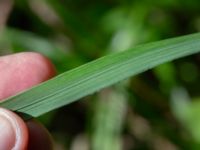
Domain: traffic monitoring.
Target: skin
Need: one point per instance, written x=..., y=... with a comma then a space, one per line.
x=19, y=72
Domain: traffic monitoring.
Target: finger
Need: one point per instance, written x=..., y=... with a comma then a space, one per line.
x=39, y=138
x=19, y=72
x=22, y=71
x=14, y=133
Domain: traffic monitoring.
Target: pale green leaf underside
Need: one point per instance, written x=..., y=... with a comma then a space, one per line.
x=91, y=77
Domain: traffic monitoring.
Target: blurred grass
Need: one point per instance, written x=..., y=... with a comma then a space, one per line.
x=162, y=104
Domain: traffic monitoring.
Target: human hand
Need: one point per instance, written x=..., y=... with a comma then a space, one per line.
x=19, y=72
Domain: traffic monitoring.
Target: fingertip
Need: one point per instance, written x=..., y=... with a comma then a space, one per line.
x=39, y=137
x=33, y=61
x=14, y=132
x=22, y=71
x=40, y=61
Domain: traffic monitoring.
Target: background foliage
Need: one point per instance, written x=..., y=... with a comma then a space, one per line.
x=159, y=109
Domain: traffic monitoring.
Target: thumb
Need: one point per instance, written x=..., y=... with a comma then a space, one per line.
x=13, y=131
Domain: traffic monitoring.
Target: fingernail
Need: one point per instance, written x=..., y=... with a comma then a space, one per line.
x=7, y=133
x=13, y=132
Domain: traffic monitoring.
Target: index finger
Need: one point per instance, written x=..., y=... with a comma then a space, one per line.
x=21, y=71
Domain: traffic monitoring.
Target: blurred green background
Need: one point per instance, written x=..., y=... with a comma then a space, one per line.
x=156, y=110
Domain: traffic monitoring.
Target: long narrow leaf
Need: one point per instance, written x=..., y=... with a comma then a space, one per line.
x=103, y=72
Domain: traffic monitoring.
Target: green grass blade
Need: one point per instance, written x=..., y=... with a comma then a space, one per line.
x=103, y=72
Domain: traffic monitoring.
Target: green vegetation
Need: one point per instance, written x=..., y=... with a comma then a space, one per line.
x=157, y=109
